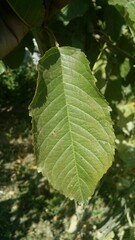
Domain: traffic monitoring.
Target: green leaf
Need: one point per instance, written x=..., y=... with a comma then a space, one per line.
x=73, y=134
x=127, y=10
x=126, y=152
x=99, y=68
x=113, y=27
x=74, y=10
x=2, y=67
x=125, y=68
x=31, y=12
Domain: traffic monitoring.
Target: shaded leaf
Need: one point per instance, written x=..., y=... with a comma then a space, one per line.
x=114, y=22
x=74, y=140
x=74, y=10
x=2, y=67
x=126, y=151
x=127, y=10
x=99, y=69
x=125, y=68
x=113, y=90
x=15, y=58
x=31, y=12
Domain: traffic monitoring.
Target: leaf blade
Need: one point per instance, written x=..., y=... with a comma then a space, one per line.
x=31, y=12
x=74, y=139
x=126, y=9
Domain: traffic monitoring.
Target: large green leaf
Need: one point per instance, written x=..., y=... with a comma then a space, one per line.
x=31, y=12
x=73, y=134
x=127, y=10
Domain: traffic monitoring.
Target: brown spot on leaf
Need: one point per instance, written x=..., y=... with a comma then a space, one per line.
x=53, y=133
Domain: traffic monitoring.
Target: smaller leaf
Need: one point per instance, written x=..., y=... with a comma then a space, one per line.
x=127, y=10
x=74, y=10
x=113, y=27
x=125, y=68
x=99, y=68
x=126, y=152
x=2, y=67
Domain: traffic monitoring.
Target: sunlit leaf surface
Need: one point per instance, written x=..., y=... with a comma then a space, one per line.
x=73, y=134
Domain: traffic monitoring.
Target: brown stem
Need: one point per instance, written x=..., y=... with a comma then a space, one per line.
x=104, y=39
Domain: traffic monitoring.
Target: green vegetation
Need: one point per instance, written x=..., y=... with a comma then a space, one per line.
x=30, y=207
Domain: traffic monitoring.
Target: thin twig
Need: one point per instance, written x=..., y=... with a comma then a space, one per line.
x=103, y=38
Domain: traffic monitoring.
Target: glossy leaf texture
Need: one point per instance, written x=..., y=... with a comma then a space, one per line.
x=127, y=10
x=31, y=12
x=73, y=134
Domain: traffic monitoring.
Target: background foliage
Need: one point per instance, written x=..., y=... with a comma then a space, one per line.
x=27, y=201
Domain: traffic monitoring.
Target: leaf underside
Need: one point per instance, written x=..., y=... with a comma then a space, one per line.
x=73, y=134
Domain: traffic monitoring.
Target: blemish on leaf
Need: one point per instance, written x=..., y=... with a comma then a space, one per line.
x=53, y=133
